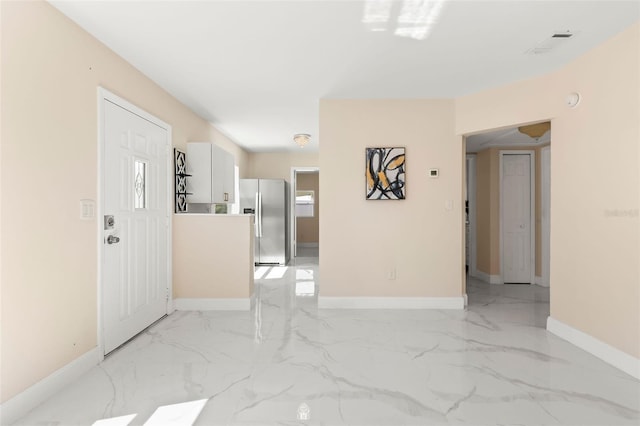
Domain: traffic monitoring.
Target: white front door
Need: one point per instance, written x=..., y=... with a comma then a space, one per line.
x=134, y=253
x=516, y=218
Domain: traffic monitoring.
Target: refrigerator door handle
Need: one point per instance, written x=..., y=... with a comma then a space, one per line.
x=260, y=214
x=257, y=216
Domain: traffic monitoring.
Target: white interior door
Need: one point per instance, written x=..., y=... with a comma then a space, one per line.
x=134, y=254
x=516, y=218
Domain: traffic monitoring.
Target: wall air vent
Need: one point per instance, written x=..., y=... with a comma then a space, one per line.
x=550, y=43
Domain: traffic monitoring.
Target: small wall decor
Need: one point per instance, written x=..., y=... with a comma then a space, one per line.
x=385, y=173
x=180, y=161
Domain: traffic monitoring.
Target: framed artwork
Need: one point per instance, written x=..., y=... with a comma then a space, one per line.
x=385, y=173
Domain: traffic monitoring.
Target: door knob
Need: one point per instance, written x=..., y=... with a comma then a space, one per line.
x=113, y=240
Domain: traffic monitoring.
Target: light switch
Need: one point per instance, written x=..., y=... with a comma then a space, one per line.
x=87, y=209
x=448, y=205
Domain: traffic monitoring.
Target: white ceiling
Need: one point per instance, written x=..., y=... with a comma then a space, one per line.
x=510, y=137
x=257, y=69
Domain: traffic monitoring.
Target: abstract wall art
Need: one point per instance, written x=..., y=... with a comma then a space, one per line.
x=385, y=173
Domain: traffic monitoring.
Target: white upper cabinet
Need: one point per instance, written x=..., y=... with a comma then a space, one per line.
x=212, y=171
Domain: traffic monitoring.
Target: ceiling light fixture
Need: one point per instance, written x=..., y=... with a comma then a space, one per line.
x=301, y=139
x=535, y=131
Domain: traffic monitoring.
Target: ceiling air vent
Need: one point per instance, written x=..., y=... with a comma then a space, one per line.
x=550, y=43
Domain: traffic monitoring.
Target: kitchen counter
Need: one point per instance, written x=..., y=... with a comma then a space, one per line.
x=212, y=261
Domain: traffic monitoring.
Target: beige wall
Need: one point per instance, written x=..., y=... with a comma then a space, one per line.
x=362, y=240
x=538, y=201
x=487, y=217
x=488, y=208
x=213, y=256
x=277, y=165
x=595, y=231
x=50, y=70
x=308, y=228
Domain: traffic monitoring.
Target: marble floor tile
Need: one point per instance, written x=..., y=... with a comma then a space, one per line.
x=286, y=362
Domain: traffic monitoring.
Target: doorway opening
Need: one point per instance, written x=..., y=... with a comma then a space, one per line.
x=508, y=231
x=305, y=205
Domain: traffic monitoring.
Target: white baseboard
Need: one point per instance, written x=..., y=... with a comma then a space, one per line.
x=495, y=279
x=227, y=304
x=541, y=282
x=491, y=279
x=391, y=302
x=18, y=406
x=596, y=347
x=310, y=245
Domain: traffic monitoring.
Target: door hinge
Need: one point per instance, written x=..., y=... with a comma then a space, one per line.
x=167, y=294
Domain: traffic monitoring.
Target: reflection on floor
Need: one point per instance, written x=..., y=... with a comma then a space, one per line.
x=286, y=362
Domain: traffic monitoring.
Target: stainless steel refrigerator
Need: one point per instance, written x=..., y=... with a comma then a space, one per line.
x=267, y=199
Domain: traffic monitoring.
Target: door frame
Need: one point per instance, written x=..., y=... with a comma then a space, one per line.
x=471, y=197
x=106, y=96
x=292, y=208
x=545, y=222
x=532, y=212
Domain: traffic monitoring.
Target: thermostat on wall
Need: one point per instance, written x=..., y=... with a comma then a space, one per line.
x=434, y=173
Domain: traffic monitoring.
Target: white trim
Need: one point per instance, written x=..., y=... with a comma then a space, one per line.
x=105, y=95
x=99, y=219
x=532, y=210
x=292, y=206
x=491, y=279
x=391, y=302
x=471, y=197
x=227, y=304
x=541, y=282
x=546, y=138
x=483, y=276
x=495, y=279
x=545, y=209
x=18, y=406
x=615, y=357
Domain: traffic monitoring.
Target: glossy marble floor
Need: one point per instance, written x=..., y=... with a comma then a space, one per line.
x=288, y=363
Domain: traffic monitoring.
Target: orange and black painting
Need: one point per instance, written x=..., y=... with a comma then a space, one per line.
x=385, y=174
